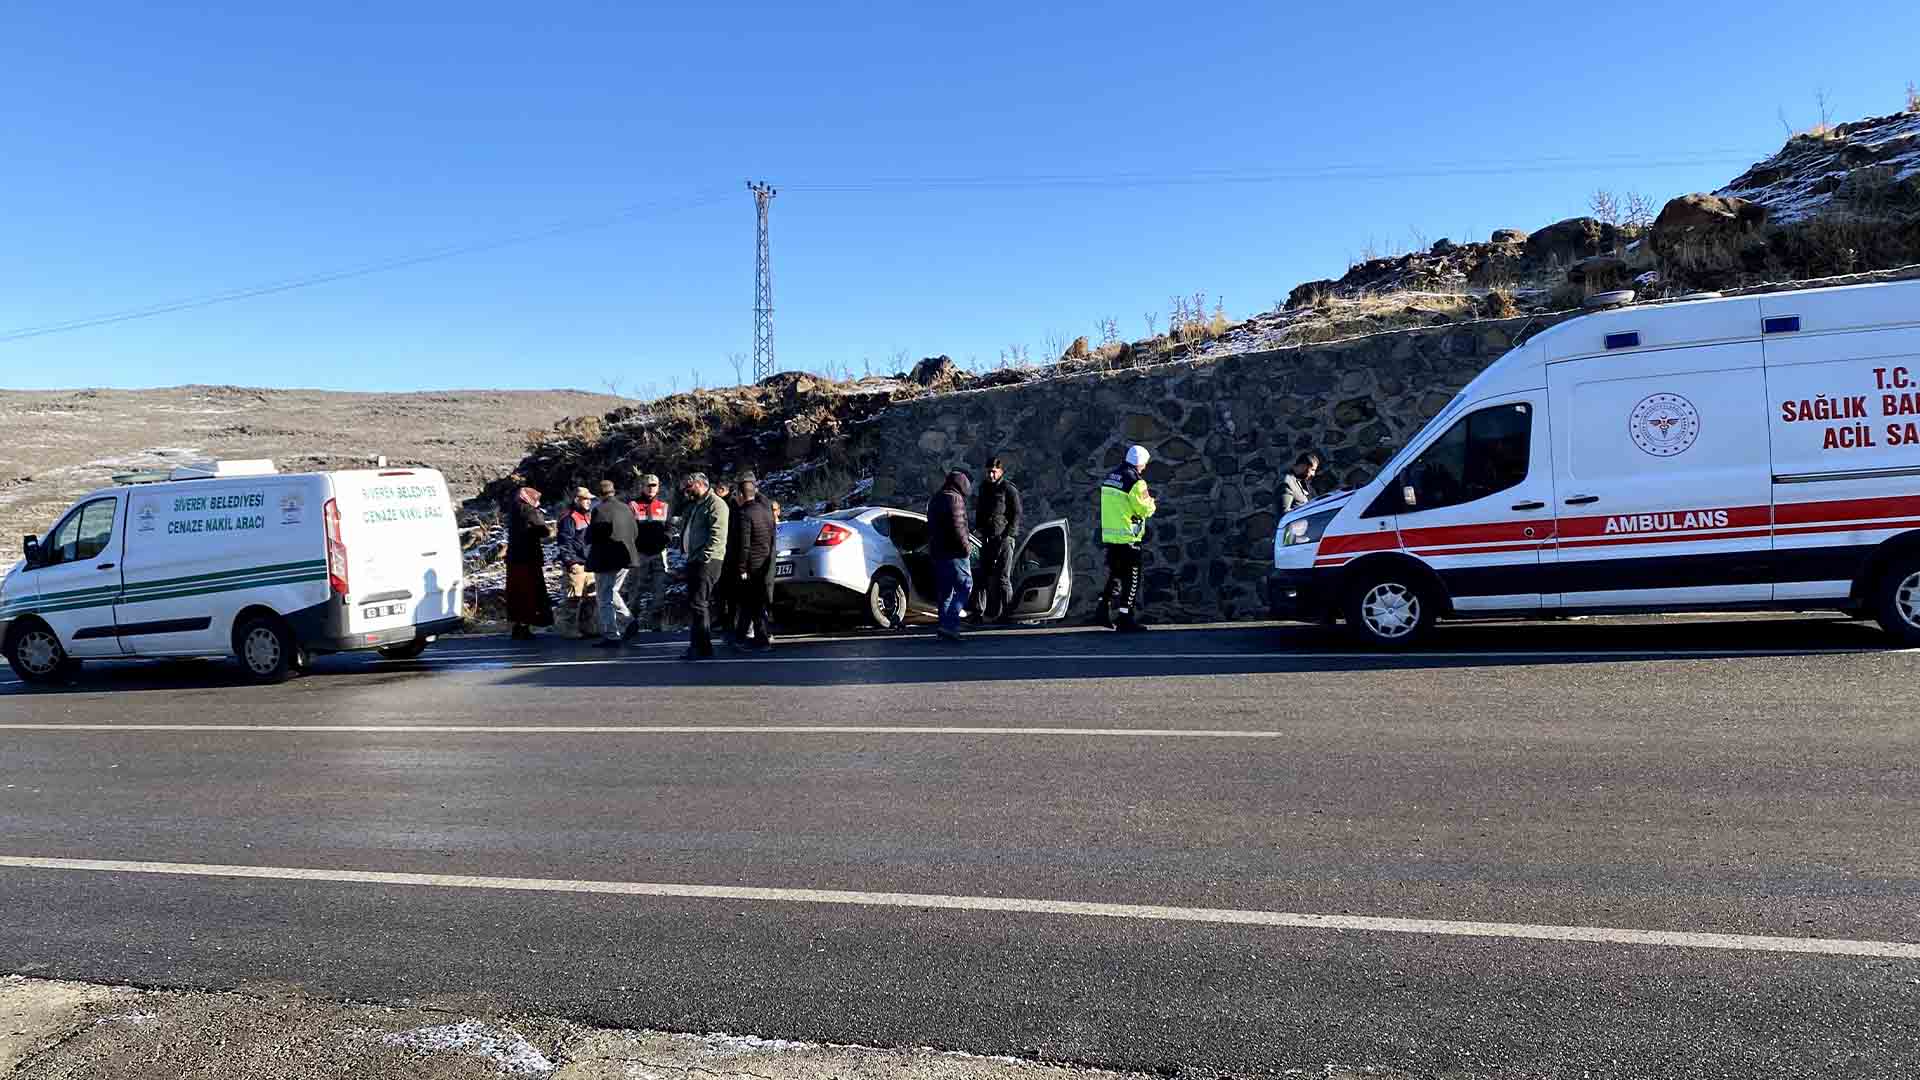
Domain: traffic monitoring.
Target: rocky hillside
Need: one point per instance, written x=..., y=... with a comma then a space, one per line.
x=55, y=445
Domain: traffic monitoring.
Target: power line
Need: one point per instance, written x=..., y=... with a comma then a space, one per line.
x=1111, y=180
x=562, y=228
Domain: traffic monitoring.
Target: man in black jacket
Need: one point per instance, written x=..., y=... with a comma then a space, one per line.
x=947, y=546
x=610, y=555
x=753, y=523
x=996, y=517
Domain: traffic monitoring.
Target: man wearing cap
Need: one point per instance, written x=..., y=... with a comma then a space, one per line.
x=649, y=577
x=610, y=555
x=1125, y=506
x=705, y=542
x=574, y=523
x=753, y=523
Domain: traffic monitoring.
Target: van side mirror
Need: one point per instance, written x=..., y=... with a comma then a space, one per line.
x=30, y=545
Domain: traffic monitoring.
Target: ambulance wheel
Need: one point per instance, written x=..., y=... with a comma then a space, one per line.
x=407, y=651
x=1390, y=610
x=1897, y=603
x=36, y=655
x=266, y=648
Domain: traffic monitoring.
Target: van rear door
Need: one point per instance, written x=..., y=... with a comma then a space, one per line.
x=1661, y=480
x=403, y=549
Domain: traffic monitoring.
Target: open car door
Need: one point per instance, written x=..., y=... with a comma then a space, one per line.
x=1042, y=574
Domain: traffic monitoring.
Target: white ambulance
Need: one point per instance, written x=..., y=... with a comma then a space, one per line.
x=1752, y=453
x=237, y=558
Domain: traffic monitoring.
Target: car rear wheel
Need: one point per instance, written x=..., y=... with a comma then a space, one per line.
x=887, y=601
x=1390, y=610
x=407, y=651
x=1896, y=603
x=36, y=655
x=266, y=649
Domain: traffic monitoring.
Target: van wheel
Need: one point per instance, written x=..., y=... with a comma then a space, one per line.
x=1390, y=610
x=408, y=651
x=266, y=649
x=887, y=601
x=1897, y=603
x=36, y=655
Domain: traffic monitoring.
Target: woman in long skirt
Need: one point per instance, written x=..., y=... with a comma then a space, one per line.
x=527, y=602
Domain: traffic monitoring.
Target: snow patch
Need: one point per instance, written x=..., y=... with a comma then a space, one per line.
x=512, y=1054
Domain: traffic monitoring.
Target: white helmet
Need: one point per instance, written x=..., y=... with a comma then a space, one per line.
x=1137, y=456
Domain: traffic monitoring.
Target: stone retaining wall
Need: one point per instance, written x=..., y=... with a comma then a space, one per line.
x=1221, y=433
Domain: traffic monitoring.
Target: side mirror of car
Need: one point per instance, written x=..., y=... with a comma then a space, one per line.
x=31, y=547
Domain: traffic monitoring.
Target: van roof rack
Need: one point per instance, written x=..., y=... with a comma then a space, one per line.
x=200, y=470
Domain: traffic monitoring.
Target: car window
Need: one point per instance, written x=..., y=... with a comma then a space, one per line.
x=84, y=534
x=883, y=524
x=1482, y=453
x=908, y=534
x=1047, y=548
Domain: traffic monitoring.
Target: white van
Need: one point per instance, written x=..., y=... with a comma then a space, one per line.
x=237, y=558
x=1756, y=453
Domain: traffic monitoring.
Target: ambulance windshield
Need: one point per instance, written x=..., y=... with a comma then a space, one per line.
x=1443, y=417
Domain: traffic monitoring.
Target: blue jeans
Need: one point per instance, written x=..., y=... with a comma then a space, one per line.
x=953, y=580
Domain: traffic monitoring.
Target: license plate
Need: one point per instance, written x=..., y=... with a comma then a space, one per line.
x=383, y=611
x=784, y=569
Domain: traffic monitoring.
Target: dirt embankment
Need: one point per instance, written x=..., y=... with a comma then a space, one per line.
x=56, y=445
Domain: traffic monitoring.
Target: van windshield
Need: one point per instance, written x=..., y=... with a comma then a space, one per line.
x=1440, y=419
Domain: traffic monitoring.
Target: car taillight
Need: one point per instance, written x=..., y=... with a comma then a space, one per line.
x=336, y=549
x=831, y=534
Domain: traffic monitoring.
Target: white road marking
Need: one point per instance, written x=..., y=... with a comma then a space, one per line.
x=1136, y=658
x=1364, y=923
x=660, y=729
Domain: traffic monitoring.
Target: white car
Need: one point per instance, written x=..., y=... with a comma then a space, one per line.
x=872, y=562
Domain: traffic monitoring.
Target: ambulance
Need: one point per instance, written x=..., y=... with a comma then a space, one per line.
x=237, y=559
x=1718, y=454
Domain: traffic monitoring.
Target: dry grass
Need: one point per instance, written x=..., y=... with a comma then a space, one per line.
x=1332, y=318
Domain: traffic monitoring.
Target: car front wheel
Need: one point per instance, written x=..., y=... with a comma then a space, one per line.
x=266, y=649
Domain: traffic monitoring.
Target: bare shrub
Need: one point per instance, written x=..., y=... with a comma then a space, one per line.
x=1500, y=303
x=1153, y=322
x=1605, y=207
x=1913, y=97
x=738, y=361
x=1640, y=211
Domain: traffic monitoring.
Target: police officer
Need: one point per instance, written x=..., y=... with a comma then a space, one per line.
x=1125, y=506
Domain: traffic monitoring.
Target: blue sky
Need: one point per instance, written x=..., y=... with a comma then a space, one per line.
x=151, y=153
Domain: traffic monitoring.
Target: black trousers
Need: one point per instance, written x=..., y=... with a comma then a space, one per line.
x=701, y=578
x=995, y=577
x=752, y=599
x=1123, y=582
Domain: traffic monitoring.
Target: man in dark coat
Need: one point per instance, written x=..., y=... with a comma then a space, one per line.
x=996, y=517
x=947, y=545
x=610, y=555
x=754, y=526
x=705, y=541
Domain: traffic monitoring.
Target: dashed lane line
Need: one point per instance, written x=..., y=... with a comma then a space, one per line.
x=1602, y=935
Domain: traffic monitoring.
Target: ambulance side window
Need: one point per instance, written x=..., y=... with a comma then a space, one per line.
x=1482, y=453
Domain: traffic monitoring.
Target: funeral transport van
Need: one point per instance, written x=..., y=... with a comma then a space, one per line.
x=1750, y=453
x=236, y=558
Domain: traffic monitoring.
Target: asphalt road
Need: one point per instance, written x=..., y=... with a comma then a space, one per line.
x=1750, y=777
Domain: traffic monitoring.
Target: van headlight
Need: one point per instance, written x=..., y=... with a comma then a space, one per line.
x=1306, y=530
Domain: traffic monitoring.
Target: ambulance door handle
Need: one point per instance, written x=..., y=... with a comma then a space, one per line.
x=104, y=566
x=1530, y=506
x=1582, y=500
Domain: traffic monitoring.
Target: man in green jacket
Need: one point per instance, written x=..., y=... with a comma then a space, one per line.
x=1125, y=506
x=705, y=543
